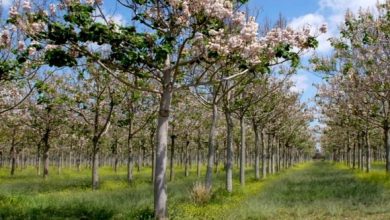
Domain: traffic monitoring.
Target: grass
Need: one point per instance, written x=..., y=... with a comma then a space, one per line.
x=68, y=196
x=317, y=190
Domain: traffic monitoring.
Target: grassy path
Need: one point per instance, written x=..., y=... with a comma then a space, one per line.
x=318, y=190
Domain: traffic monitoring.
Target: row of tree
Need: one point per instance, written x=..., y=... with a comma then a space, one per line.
x=355, y=100
x=74, y=82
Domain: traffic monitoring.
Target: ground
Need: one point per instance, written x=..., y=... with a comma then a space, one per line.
x=314, y=190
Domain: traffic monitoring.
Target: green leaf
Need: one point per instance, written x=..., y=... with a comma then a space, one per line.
x=58, y=57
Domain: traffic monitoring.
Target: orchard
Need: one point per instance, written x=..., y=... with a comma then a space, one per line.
x=182, y=109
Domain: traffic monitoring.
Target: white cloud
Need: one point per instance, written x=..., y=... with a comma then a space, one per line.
x=331, y=12
x=118, y=19
x=301, y=83
x=315, y=21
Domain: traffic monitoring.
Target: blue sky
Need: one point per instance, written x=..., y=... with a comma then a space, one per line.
x=314, y=13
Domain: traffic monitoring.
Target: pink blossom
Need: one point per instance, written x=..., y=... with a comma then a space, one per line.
x=52, y=9
x=239, y=18
x=21, y=45
x=5, y=38
x=27, y=5
x=51, y=47
x=13, y=12
x=198, y=36
x=32, y=51
x=37, y=27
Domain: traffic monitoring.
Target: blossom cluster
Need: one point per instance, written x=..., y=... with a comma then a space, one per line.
x=5, y=38
x=220, y=9
x=249, y=45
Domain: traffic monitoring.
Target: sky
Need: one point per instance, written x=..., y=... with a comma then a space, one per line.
x=314, y=13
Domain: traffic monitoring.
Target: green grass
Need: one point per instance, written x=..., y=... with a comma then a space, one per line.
x=317, y=190
x=68, y=196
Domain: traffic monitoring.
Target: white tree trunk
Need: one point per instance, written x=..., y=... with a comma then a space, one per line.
x=211, y=150
x=229, y=152
x=160, y=188
x=242, y=152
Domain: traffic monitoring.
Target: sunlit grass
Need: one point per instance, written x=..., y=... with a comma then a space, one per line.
x=319, y=190
x=69, y=196
x=314, y=190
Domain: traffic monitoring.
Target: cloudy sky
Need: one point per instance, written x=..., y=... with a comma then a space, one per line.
x=315, y=13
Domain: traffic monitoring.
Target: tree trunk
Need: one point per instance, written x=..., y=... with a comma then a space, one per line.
x=160, y=188
x=263, y=157
x=243, y=151
x=354, y=156
x=139, y=160
x=361, y=162
x=45, y=162
x=368, y=151
x=386, y=131
x=95, y=165
x=171, y=163
x=38, y=160
x=187, y=159
x=277, y=155
x=211, y=151
x=116, y=161
x=46, y=147
x=198, y=155
x=152, y=145
x=13, y=153
x=130, y=148
x=229, y=152
x=78, y=163
x=257, y=150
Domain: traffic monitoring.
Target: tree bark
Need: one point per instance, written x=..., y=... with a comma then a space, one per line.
x=95, y=163
x=13, y=153
x=211, y=151
x=198, y=155
x=46, y=147
x=242, y=152
x=152, y=145
x=187, y=158
x=368, y=151
x=263, y=157
x=386, y=132
x=354, y=156
x=160, y=189
x=129, y=143
x=229, y=151
x=257, y=150
x=171, y=163
x=361, y=162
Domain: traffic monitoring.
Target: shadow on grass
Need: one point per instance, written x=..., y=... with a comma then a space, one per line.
x=71, y=211
x=324, y=182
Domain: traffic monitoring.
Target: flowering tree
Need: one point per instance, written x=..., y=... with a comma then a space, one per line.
x=359, y=66
x=180, y=34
